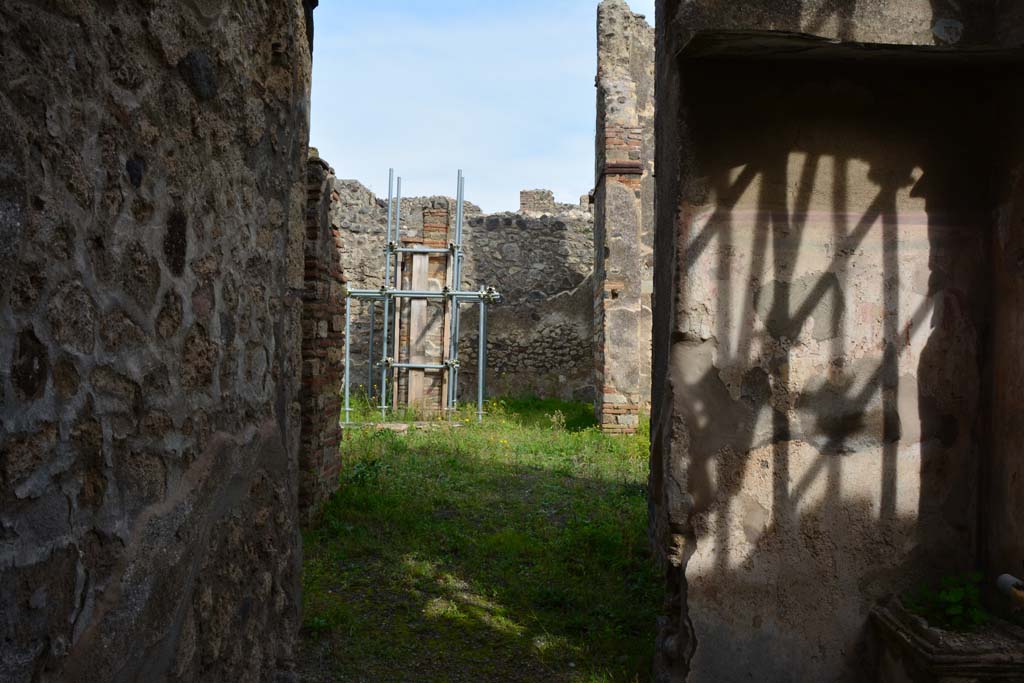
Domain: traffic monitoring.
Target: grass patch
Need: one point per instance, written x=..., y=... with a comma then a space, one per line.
x=512, y=550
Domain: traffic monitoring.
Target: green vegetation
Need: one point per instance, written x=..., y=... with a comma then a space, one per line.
x=955, y=605
x=513, y=550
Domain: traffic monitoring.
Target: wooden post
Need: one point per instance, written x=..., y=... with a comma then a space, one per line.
x=417, y=328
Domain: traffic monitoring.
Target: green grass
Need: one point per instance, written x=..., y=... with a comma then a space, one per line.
x=513, y=550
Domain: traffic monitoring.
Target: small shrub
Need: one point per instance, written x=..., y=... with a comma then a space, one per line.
x=954, y=606
x=369, y=471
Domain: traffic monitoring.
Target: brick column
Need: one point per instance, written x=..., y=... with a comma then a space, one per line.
x=323, y=339
x=623, y=217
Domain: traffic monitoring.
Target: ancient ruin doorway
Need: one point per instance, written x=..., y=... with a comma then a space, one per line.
x=832, y=320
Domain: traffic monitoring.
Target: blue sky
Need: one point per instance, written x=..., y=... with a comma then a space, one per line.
x=504, y=90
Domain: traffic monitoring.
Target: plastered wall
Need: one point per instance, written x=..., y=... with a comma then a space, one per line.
x=822, y=319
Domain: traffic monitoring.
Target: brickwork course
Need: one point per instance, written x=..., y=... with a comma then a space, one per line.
x=623, y=217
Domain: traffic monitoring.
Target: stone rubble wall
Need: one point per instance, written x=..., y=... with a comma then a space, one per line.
x=152, y=192
x=623, y=217
x=539, y=337
x=536, y=203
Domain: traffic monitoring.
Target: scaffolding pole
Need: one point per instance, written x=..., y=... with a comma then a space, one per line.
x=422, y=250
x=370, y=351
x=481, y=361
x=453, y=377
x=379, y=295
x=348, y=329
x=387, y=300
x=419, y=366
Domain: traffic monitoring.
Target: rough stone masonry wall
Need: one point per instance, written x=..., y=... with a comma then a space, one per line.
x=536, y=203
x=323, y=339
x=152, y=191
x=822, y=302
x=539, y=339
x=623, y=216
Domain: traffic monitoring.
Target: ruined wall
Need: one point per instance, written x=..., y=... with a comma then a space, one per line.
x=822, y=302
x=152, y=193
x=539, y=339
x=623, y=216
x=536, y=203
x=323, y=340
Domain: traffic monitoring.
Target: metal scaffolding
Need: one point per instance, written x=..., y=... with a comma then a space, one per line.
x=391, y=295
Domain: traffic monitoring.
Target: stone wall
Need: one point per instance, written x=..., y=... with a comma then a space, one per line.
x=323, y=340
x=152, y=193
x=536, y=203
x=539, y=339
x=822, y=315
x=623, y=216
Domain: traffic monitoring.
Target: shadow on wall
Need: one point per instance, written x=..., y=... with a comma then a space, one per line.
x=833, y=308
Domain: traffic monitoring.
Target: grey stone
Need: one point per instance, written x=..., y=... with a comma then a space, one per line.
x=197, y=69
